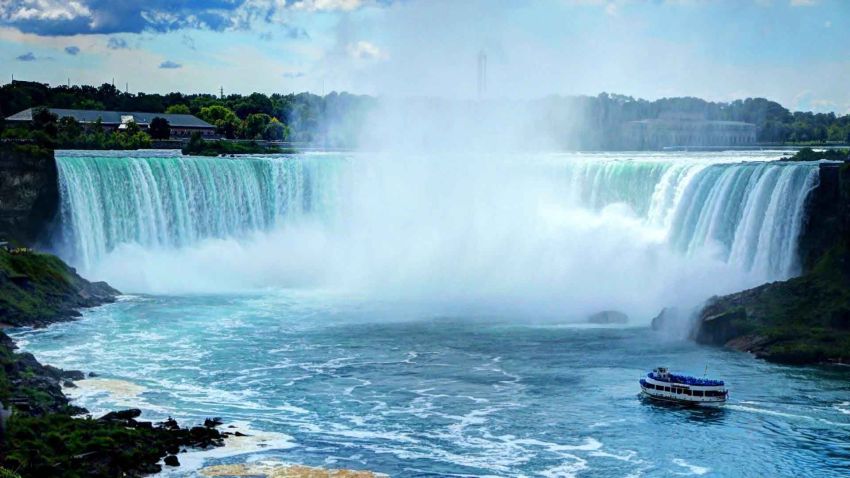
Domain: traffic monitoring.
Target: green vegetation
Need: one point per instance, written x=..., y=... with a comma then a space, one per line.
x=336, y=119
x=49, y=131
x=302, y=117
x=808, y=154
x=774, y=123
x=58, y=445
x=198, y=146
x=39, y=288
x=159, y=128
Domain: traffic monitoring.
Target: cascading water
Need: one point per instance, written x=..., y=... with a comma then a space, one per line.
x=163, y=200
x=564, y=230
x=752, y=211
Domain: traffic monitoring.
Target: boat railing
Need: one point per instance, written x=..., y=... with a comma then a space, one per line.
x=687, y=380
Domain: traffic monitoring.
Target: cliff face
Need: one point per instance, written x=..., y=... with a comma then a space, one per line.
x=805, y=319
x=29, y=194
x=827, y=215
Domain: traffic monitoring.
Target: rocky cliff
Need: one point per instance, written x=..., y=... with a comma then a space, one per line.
x=805, y=319
x=29, y=194
x=39, y=289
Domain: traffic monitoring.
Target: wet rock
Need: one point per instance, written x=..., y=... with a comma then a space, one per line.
x=129, y=414
x=720, y=328
x=212, y=422
x=171, y=460
x=170, y=424
x=92, y=375
x=73, y=375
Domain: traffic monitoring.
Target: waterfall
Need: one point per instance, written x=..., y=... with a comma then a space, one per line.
x=166, y=200
x=441, y=213
x=751, y=211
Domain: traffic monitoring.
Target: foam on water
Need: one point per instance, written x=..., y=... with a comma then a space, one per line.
x=345, y=387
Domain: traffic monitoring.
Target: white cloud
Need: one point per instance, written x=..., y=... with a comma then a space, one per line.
x=327, y=5
x=364, y=50
x=803, y=3
x=43, y=10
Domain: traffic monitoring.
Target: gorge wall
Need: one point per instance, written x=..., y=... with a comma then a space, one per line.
x=29, y=194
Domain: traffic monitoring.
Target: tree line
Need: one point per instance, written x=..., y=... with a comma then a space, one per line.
x=334, y=119
x=302, y=117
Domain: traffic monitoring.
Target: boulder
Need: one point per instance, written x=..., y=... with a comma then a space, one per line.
x=122, y=415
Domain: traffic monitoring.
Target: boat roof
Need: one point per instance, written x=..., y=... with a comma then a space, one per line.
x=686, y=380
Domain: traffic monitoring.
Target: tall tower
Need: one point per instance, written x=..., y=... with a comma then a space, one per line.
x=482, y=73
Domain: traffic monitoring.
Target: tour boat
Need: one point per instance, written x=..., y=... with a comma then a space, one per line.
x=660, y=384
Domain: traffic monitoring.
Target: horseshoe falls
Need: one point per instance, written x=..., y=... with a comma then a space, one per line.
x=577, y=229
x=426, y=314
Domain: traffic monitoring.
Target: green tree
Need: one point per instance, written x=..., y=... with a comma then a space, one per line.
x=131, y=128
x=44, y=120
x=276, y=131
x=70, y=131
x=159, y=128
x=178, y=109
x=255, y=125
x=215, y=113
x=225, y=120
x=89, y=104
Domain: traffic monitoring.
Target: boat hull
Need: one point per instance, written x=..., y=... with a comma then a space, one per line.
x=679, y=401
x=697, y=394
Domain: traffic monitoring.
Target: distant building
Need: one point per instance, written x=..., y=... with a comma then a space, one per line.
x=686, y=130
x=181, y=125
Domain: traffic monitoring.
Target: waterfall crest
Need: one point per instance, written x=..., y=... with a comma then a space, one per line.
x=745, y=214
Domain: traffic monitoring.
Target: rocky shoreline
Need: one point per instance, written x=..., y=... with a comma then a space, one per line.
x=41, y=432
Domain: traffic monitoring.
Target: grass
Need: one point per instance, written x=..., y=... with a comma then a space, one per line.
x=34, y=287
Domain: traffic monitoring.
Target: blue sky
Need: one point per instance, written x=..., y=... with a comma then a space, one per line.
x=794, y=51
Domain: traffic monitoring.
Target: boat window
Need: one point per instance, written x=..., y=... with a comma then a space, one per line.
x=697, y=393
x=666, y=389
x=650, y=386
x=687, y=392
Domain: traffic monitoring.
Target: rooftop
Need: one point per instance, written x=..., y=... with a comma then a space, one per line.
x=114, y=117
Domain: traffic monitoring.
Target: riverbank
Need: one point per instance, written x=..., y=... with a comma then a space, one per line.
x=40, y=432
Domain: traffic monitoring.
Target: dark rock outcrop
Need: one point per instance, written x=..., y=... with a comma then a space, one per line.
x=29, y=193
x=31, y=386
